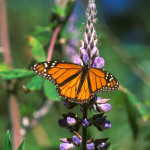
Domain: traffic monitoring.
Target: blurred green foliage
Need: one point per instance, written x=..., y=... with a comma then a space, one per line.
x=8, y=145
x=130, y=107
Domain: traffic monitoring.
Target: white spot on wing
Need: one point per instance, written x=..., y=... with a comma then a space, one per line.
x=46, y=65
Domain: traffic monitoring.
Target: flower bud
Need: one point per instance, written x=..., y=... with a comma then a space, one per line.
x=88, y=48
x=85, y=123
x=86, y=58
x=94, y=53
x=62, y=122
x=101, y=123
x=82, y=51
x=101, y=146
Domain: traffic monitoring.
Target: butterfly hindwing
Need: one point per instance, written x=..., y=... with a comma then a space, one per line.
x=102, y=80
x=69, y=90
x=84, y=93
x=96, y=81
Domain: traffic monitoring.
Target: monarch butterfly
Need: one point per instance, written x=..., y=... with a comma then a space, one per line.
x=75, y=83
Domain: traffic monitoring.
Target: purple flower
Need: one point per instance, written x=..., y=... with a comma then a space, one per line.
x=107, y=125
x=101, y=123
x=65, y=140
x=98, y=62
x=72, y=21
x=85, y=123
x=90, y=146
x=70, y=51
x=86, y=58
x=77, y=60
x=101, y=146
x=101, y=101
x=77, y=140
x=101, y=105
x=71, y=121
x=104, y=107
x=67, y=146
x=73, y=18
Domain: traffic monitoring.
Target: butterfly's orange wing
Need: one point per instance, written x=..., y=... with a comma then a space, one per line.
x=66, y=77
x=96, y=81
x=72, y=84
x=84, y=94
x=101, y=80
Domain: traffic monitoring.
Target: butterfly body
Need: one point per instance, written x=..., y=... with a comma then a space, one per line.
x=75, y=83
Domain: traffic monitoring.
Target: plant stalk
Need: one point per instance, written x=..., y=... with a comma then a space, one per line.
x=12, y=99
x=84, y=129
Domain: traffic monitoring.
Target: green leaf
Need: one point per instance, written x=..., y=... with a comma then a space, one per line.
x=63, y=12
x=59, y=11
x=7, y=144
x=37, y=49
x=3, y=67
x=35, y=83
x=15, y=73
x=50, y=91
x=137, y=105
x=21, y=146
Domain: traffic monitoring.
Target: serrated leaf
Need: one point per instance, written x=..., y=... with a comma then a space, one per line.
x=35, y=83
x=21, y=146
x=37, y=49
x=7, y=143
x=15, y=73
x=50, y=91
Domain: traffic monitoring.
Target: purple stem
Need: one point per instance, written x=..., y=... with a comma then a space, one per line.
x=52, y=43
x=14, y=111
x=4, y=33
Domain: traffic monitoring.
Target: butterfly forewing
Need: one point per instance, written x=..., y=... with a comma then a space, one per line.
x=66, y=76
x=56, y=71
